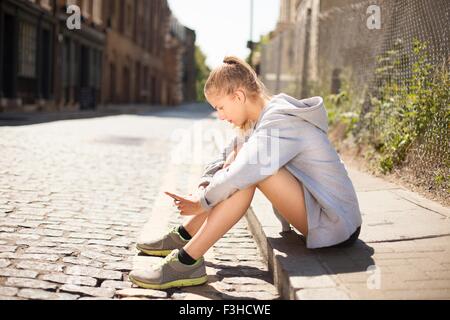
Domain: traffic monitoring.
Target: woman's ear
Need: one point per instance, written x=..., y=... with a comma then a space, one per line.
x=241, y=96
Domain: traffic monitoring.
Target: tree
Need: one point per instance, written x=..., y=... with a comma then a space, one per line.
x=202, y=73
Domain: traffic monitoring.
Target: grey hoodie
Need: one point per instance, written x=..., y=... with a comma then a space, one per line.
x=292, y=133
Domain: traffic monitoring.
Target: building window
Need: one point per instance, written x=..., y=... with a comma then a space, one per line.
x=27, y=50
x=112, y=84
x=46, y=4
x=129, y=22
x=86, y=8
x=97, y=11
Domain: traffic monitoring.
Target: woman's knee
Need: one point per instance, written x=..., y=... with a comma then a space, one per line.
x=244, y=194
x=239, y=200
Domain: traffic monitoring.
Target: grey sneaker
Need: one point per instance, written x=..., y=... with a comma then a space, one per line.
x=170, y=273
x=162, y=246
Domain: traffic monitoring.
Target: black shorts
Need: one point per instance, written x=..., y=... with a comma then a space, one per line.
x=349, y=241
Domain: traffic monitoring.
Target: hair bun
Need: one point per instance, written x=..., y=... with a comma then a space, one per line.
x=230, y=61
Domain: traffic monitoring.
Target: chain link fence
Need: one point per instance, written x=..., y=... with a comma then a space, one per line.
x=372, y=46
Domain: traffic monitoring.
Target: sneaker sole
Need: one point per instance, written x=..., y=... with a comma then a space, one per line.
x=156, y=253
x=172, y=284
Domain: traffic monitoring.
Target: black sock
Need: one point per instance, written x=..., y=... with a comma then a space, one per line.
x=185, y=258
x=183, y=233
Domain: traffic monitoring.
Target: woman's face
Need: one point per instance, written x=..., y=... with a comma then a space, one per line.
x=230, y=108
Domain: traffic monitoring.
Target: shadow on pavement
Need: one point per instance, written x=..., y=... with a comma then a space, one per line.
x=187, y=111
x=210, y=292
x=304, y=263
x=300, y=261
x=26, y=119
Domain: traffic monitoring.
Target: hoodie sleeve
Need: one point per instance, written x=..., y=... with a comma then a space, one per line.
x=268, y=149
x=213, y=167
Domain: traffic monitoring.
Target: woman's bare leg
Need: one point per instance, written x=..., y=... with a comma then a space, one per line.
x=290, y=204
x=195, y=223
x=219, y=221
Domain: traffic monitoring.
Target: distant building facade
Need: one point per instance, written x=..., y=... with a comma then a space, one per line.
x=180, y=63
x=318, y=42
x=135, y=47
x=79, y=62
x=119, y=56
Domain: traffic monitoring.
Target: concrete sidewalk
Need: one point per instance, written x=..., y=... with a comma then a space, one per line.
x=403, y=251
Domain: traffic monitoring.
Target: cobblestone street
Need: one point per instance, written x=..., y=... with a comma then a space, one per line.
x=74, y=196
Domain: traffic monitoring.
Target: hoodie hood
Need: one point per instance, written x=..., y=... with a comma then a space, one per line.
x=311, y=110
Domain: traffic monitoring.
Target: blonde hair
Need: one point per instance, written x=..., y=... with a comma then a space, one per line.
x=232, y=75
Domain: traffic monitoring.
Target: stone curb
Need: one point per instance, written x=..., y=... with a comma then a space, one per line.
x=297, y=272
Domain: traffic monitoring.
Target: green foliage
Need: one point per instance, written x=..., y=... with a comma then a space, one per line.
x=411, y=103
x=264, y=39
x=404, y=109
x=343, y=108
x=202, y=72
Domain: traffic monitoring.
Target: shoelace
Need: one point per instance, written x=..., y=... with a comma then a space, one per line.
x=171, y=256
x=167, y=259
x=174, y=230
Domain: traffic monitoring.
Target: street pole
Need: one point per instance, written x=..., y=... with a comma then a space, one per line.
x=251, y=32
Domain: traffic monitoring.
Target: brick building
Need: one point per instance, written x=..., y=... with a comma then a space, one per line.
x=135, y=48
x=139, y=63
x=118, y=56
x=80, y=56
x=27, y=33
